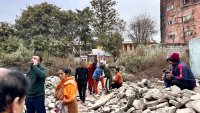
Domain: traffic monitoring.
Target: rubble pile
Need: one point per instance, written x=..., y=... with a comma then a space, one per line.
x=142, y=97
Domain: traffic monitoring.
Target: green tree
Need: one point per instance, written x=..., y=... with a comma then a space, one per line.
x=6, y=30
x=10, y=44
x=47, y=20
x=84, y=32
x=60, y=47
x=107, y=25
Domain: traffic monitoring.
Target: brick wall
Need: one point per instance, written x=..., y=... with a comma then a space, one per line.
x=179, y=23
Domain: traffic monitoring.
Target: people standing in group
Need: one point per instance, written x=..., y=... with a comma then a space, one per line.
x=90, y=80
x=180, y=74
x=65, y=93
x=36, y=94
x=81, y=76
x=117, y=79
x=13, y=90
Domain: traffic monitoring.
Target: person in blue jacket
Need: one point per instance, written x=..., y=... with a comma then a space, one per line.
x=96, y=77
x=180, y=74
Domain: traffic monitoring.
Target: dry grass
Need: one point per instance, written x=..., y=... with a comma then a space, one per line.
x=146, y=63
x=55, y=63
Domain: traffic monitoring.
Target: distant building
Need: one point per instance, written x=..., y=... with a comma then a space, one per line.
x=180, y=21
x=99, y=54
x=129, y=45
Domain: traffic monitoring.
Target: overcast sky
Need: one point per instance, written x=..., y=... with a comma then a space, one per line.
x=127, y=9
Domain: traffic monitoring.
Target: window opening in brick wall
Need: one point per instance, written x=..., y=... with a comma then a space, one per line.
x=188, y=32
x=185, y=2
x=125, y=47
x=171, y=36
x=187, y=18
x=131, y=47
x=170, y=7
x=173, y=21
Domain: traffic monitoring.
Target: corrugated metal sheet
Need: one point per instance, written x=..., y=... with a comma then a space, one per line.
x=194, y=49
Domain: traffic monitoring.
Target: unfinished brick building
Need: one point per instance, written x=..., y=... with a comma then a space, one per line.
x=180, y=20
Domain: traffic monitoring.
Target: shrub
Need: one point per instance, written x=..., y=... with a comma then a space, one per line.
x=144, y=62
x=17, y=58
x=138, y=60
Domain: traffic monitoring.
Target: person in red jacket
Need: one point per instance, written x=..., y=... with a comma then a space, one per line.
x=90, y=80
x=180, y=74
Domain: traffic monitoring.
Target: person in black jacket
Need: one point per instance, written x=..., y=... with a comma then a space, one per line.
x=81, y=76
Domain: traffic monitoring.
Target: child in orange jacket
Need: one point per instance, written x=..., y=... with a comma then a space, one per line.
x=65, y=92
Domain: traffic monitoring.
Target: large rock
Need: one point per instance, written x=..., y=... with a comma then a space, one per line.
x=195, y=97
x=175, y=90
x=102, y=100
x=197, y=89
x=162, y=105
x=137, y=111
x=106, y=110
x=51, y=105
x=190, y=92
x=154, y=93
x=194, y=105
x=175, y=103
x=185, y=110
x=124, y=101
x=47, y=92
x=170, y=97
x=144, y=83
x=90, y=98
x=130, y=110
x=187, y=95
x=139, y=104
x=146, y=111
x=114, y=101
x=129, y=92
x=184, y=100
x=158, y=95
x=171, y=109
x=121, y=95
x=152, y=103
x=161, y=110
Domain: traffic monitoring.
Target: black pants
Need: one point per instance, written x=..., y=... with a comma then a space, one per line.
x=35, y=104
x=181, y=84
x=82, y=91
x=115, y=85
x=108, y=84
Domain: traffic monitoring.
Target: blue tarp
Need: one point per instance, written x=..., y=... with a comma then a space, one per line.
x=194, y=50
